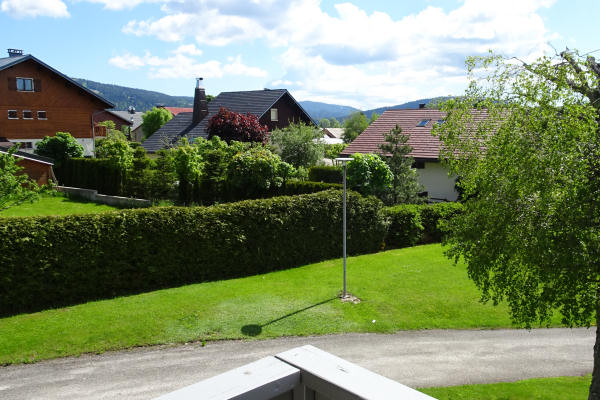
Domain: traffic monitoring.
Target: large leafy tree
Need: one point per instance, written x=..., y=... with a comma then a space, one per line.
x=230, y=125
x=369, y=174
x=528, y=157
x=405, y=186
x=354, y=126
x=298, y=144
x=59, y=147
x=154, y=119
x=15, y=187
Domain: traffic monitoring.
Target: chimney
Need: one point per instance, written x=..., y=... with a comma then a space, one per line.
x=200, y=104
x=15, y=52
x=421, y=105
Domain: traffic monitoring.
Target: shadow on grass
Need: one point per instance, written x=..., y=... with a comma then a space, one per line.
x=255, y=329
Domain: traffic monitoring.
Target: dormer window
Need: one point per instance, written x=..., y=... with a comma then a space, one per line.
x=423, y=122
x=274, y=114
x=25, y=84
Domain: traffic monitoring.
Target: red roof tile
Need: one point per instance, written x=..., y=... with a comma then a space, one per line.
x=177, y=110
x=424, y=144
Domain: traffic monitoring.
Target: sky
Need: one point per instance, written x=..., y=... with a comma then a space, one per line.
x=365, y=54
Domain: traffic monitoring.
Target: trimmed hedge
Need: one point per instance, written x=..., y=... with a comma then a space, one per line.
x=412, y=224
x=56, y=261
x=90, y=173
x=328, y=174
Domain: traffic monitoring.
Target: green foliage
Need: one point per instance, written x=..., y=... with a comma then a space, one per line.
x=111, y=254
x=334, y=123
x=188, y=164
x=373, y=118
x=154, y=119
x=412, y=224
x=332, y=151
x=298, y=144
x=354, y=126
x=324, y=123
x=59, y=147
x=369, y=174
x=116, y=149
x=405, y=186
x=530, y=233
x=327, y=174
x=15, y=186
x=256, y=170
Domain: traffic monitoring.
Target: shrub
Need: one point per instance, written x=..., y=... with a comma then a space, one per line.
x=56, y=261
x=59, y=147
x=298, y=144
x=412, y=224
x=91, y=173
x=229, y=125
x=325, y=174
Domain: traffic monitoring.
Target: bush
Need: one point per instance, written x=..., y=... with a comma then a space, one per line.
x=326, y=174
x=56, y=261
x=59, y=147
x=412, y=224
x=91, y=173
x=230, y=125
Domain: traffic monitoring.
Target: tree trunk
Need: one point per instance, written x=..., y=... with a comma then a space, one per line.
x=595, y=386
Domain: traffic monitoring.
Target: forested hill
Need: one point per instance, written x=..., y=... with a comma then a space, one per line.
x=123, y=97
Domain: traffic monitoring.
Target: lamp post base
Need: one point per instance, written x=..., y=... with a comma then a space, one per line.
x=349, y=298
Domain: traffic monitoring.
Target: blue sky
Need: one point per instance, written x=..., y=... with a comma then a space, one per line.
x=360, y=53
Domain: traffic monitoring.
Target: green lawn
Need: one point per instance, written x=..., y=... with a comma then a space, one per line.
x=563, y=388
x=413, y=288
x=55, y=205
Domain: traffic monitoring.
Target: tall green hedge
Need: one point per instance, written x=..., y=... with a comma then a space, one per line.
x=91, y=173
x=328, y=174
x=56, y=261
x=412, y=224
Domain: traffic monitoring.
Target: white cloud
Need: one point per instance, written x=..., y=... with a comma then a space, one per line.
x=117, y=5
x=181, y=65
x=34, y=8
x=366, y=59
x=190, y=49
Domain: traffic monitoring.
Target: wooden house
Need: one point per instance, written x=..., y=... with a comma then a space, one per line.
x=37, y=101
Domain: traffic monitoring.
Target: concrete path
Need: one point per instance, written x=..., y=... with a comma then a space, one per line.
x=414, y=358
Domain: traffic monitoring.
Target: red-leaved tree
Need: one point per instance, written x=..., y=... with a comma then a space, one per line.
x=229, y=125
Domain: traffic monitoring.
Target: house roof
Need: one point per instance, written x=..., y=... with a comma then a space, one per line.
x=8, y=62
x=127, y=116
x=334, y=132
x=27, y=156
x=255, y=102
x=179, y=110
x=425, y=145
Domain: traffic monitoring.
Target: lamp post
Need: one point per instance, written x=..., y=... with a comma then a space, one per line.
x=344, y=161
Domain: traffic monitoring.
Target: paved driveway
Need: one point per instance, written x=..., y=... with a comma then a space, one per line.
x=414, y=358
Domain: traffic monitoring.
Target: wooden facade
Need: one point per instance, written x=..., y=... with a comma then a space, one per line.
x=288, y=112
x=57, y=104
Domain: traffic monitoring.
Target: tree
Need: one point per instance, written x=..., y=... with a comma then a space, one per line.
x=154, y=119
x=298, y=144
x=324, y=123
x=369, y=174
x=334, y=123
x=405, y=184
x=15, y=187
x=188, y=165
x=116, y=149
x=354, y=126
x=373, y=118
x=59, y=147
x=332, y=151
x=527, y=157
x=229, y=125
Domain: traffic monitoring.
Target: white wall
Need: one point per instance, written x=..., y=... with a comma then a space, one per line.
x=434, y=177
x=88, y=145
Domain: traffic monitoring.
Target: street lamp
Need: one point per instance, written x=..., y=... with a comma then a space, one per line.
x=344, y=161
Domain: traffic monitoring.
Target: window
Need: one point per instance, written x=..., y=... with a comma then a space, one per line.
x=12, y=114
x=423, y=122
x=25, y=84
x=25, y=145
x=274, y=114
x=42, y=115
x=27, y=114
x=440, y=121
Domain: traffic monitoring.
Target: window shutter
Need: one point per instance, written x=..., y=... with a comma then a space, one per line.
x=12, y=83
x=37, y=85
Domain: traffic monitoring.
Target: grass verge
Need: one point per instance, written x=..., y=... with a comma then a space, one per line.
x=55, y=204
x=564, y=388
x=412, y=288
